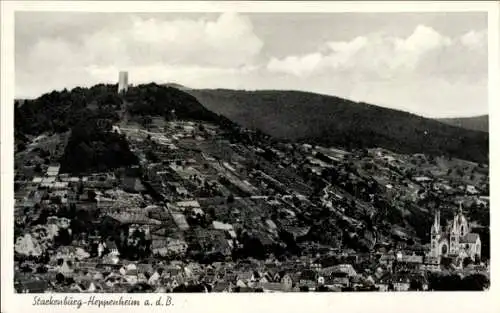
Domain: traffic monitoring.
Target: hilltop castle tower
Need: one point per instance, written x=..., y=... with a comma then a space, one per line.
x=122, y=82
x=454, y=240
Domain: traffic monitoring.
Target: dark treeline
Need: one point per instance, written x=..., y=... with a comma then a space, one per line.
x=153, y=100
x=59, y=111
x=474, y=282
x=94, y=149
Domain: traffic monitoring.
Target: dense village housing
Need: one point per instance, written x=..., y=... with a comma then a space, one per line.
x=200, y=206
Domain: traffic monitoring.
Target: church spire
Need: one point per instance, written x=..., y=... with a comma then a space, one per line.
x=437, y=220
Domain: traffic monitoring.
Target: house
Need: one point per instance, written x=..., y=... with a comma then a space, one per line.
x=241, y=284
x=222, y=287
x=188, y=204
x=182, y=191
x=214, y=241
x=31, y=286
x=142, y=278
x=401, y=282
x=131, y=275
x=276, y=277
x=271, y=225
x=47, y=182
x=338, y=279
x=222, y=226
x=341, y=268
x=225, y=227
x=140, y=223
x=401, y=286
x=113, y=249
x=245, y=278
x=198, y=212
x=88, y=286
x=387, y=259
x=180, y=221
x=28, y=245
x=308, y=278
x=133, y=185
x=37, y=180
x=59, y=185
x=77, y=288
x=53, y=170
x=114, y=279
x=471, y=190
x=382, y=286
x=177, y=246
x=66, y=269
x=159, y=246
x=174, y=283
x=209, y=278
x=154, y=278
x=269, y=276
x=272, y=287
x=417, y=259
x=297, y=232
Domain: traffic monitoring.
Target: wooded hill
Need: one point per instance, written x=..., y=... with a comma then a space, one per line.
x=332, y=121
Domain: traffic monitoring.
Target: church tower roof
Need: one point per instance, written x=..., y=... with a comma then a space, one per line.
x=436, y=227
x=460, y=215
x=459, y=221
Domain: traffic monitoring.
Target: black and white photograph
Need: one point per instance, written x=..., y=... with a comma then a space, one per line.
x=245, y=151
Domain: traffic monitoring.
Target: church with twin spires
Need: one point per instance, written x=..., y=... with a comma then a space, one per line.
x=455, y=239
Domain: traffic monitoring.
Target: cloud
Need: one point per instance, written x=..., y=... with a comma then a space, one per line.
x=295, y=65
x=475, y=40
x=225, y=42
x=379, y=56
x=423, y=39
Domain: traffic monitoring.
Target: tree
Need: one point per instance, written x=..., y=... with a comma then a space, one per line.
x=151, y=156
x=475, y=282
x=41, y=269
x=390, y=287
x=80, y=188
x=63, y=237
x=323, y=288
x=21, y=146
x=230, y=198
x=477, y=259
x=38, y=168
x=60, y=278
x=466, y=262
x=91, y=195
x=25, y=268
x=416, y=285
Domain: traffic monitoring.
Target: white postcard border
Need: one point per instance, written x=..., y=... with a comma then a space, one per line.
x=288, y=302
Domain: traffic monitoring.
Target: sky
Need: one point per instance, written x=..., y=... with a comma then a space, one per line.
x=431, y=64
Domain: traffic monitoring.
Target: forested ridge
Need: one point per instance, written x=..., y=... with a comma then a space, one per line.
x=332, y=121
